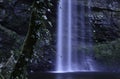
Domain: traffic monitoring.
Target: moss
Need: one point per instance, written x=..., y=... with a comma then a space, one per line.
x=1, y=77
x=108, y=51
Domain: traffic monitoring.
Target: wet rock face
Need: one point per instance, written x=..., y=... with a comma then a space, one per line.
x=105, y=19
x=110, y=4
x=1, y=1
x=2, y=14
x=6, y=44
x=15, y=16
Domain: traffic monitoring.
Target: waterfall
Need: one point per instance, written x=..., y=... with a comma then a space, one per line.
x=64, y=45
x=66, y=35
x=68, y=57
x=69, y=35
x=86, y=60
x=59, y=36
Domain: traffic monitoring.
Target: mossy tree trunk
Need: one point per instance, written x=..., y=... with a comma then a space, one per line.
x=29, y=43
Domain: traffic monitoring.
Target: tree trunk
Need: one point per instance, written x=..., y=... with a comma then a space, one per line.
x=27, y=50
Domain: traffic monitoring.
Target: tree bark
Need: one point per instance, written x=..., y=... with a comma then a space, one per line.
x=27, y=50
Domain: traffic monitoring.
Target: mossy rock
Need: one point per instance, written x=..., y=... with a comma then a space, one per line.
x=108, y=51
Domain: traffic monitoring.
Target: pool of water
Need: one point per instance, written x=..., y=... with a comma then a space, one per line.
x=75, y=75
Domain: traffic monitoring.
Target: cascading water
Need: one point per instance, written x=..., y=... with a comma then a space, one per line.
x=68, y=59
x=86, y=42
x=64, y=46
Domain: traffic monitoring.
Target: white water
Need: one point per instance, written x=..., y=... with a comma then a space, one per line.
x=68, y=59
x=69, y=35
x=59, y=38
x=64, y=45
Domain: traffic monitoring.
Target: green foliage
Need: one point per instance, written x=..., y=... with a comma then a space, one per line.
x=1, y=77
x=109, y=51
